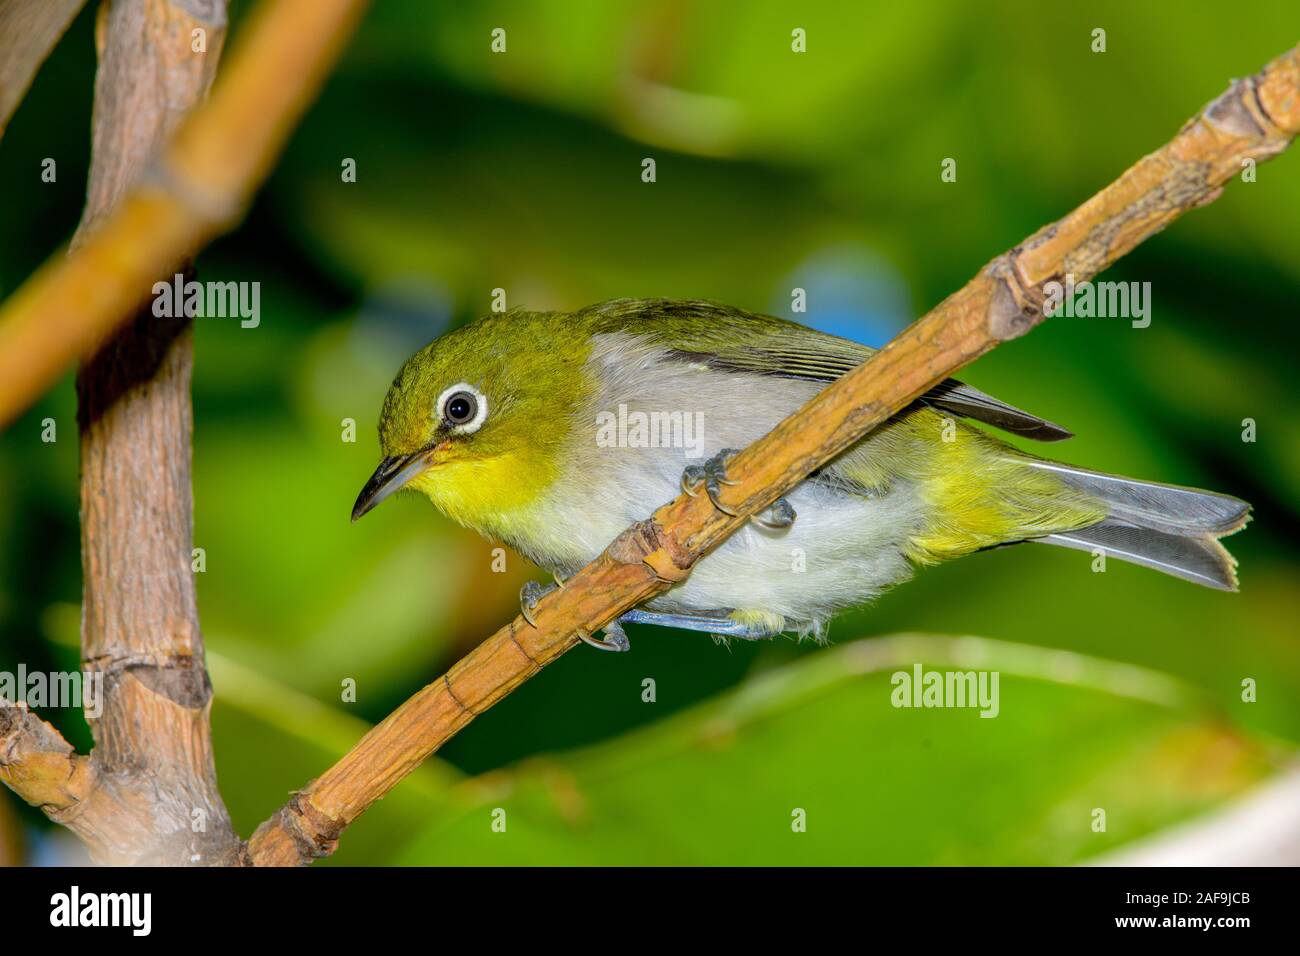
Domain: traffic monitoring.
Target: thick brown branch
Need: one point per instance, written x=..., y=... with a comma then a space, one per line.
x=1256, y=119
x=140, y=626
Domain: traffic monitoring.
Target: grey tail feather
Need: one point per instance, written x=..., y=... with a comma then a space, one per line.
x=1196, y=558
x=1165, y=527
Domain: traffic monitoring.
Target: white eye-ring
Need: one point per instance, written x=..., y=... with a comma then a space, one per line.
x=462, y=408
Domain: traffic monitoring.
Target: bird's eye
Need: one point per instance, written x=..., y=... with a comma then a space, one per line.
x=462, y=407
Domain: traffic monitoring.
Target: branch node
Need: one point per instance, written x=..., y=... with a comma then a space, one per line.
x=664, y=567
x=446, y=679
x=313, y=834
x=1237, y=111
x=646, y=542
x=1015, y=306
x=514, y=638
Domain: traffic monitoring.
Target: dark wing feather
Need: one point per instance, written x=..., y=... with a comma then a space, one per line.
x=730, y=339
x=960, y=399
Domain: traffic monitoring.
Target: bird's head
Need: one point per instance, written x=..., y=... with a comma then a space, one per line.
x=477, y=419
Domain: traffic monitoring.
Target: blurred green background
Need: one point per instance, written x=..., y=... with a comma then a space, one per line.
x=820, y=170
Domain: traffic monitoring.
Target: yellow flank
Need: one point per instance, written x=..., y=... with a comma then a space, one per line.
x=759, y=620
x=981, y=493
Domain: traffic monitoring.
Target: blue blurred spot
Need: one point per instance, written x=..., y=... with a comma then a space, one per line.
x=851, y=292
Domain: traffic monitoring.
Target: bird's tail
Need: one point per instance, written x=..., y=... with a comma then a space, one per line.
x=1165, y=527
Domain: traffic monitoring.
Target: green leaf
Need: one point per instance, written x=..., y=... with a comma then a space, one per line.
x=879, y=784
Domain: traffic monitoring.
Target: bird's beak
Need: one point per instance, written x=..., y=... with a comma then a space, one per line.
x=391, y=475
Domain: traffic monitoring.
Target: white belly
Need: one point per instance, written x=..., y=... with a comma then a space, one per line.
x=842, y=550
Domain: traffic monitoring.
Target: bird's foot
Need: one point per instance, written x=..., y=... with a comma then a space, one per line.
x=529, y=595
x=746, y=625
x=615, y=638
x=778, y=516
x=532, y=592
x=713, y=475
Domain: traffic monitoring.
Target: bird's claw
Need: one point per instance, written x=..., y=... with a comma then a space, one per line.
x=713, y=475
x=529, y=595
x=615, y=638
x=532, y=592
x=779, y=515
x=692, y=475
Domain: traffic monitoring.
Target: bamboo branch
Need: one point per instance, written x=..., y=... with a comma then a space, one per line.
x=1254, y=120
x=195, y=190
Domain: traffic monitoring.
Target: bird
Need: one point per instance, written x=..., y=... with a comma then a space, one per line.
x=555, y=431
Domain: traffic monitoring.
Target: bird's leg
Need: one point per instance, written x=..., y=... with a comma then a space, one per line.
x=746, y=625
x=713, y=475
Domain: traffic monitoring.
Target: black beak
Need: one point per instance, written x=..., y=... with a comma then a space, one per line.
x=390, y=476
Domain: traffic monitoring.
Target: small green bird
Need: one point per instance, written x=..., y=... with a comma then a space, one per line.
x=555, y=431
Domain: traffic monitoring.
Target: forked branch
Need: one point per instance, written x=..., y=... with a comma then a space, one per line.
x=147, y=793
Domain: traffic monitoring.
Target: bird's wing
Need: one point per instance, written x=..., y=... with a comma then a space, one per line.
x=729, y=339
